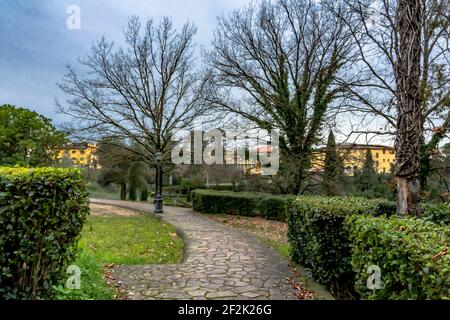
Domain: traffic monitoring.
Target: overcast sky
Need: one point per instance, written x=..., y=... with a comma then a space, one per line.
x=35, y=43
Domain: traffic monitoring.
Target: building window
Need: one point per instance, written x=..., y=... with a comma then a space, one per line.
x=377, y=155
x=384, y=151
x=74, y=151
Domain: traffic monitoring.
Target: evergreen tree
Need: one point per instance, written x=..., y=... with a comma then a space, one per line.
x=144, y=194
x=367, y=178
x=332, y=172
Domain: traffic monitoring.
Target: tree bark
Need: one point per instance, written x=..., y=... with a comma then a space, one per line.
x=408, y=195
x=123, y=191
x=407, y=142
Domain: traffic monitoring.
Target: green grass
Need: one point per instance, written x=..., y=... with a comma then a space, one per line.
x=282, y=248
x=93, y=286
x=138, y=239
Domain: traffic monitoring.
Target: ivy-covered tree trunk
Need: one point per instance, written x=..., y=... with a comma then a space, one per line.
x=407, y=142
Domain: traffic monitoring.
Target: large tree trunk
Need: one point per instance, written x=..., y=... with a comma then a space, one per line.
x=408, y=196
x=407, y=142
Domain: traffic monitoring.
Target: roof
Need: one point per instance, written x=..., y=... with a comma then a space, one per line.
x=363, y=146
x=78, y=146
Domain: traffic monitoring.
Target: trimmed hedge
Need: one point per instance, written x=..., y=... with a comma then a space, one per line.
x=223, y=202
x=438, y=213
x=320, y=239
x=322, y=232
x=412, y=255
x=240, y=203
x=42, y=212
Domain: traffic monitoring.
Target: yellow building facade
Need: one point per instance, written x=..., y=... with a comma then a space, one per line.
x=80, y=154
x=353, y=156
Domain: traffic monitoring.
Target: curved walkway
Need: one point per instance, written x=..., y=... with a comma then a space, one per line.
x=219, y=263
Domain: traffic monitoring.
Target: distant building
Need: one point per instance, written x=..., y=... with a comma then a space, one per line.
x=353, y=156
x=80, y=154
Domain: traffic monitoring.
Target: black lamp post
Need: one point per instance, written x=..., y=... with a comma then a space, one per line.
x=159, y=198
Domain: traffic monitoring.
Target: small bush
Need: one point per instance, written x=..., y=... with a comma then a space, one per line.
x=412, y=255
x=438, y=213
x=185, y=186
x=144, y=195
x=42, y=212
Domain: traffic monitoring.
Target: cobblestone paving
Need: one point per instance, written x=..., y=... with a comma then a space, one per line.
x=219, y=263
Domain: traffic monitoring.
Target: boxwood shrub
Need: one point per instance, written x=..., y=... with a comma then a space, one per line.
x=438, y=213
x=320, y=240
x=240, y=203
x=326, y=239
x=412, y=255
x=223, y=202
x=42, y=212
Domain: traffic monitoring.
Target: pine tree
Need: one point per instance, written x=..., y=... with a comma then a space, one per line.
x=332, y=167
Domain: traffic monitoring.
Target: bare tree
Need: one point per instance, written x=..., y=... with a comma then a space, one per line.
x=285, y=62
x=142, y=93
x=375, y=27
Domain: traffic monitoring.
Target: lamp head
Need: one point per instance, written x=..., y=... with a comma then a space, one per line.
x=158, y=156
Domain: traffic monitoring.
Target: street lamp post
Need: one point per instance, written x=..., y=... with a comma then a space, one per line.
x=159, y=198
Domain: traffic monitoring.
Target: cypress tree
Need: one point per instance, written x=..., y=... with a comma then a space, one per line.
x=368, y=174
x=332, y=167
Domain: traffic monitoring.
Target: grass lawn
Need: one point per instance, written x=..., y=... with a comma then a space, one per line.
x=140, y=239
x=93, y=285
x=119, y=236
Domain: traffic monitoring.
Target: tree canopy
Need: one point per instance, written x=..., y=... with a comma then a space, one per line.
x=27, y=138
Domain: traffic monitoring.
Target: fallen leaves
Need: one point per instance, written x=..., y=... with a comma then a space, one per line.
x=302, y=291
x=269, y=229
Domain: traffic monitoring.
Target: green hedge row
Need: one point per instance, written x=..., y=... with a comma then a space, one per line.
x=326, y=238
x=42, y=212
x=320, y=240
x=438, y=213
x=412, y=255
x=240, y=203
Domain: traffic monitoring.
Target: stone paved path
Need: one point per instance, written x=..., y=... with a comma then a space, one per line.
x=219, y=263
